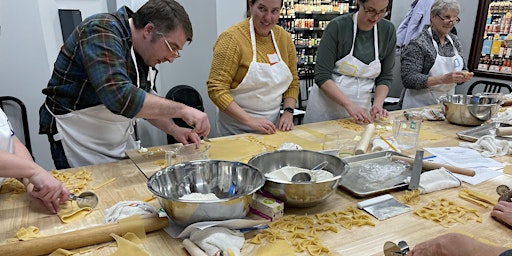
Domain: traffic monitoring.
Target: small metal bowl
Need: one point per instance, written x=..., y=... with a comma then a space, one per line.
x=469, y=110
x=299, y=194
x=232, y=182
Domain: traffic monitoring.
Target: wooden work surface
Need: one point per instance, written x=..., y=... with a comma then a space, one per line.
x=309, y=136
x=130, y=184
x=365, y=240
x=17, y=211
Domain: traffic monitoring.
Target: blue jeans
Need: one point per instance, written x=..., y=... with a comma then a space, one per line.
x=58, y=155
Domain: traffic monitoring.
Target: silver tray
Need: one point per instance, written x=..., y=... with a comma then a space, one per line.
x=374, y=173
x=475, y=133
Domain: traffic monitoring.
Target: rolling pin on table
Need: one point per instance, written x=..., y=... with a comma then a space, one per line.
x=362, y=145
x=504, y=131
x=430, y=166
x=76, y=239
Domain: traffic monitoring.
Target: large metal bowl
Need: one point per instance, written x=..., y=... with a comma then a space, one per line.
x=469, y=110
x=232, y=182
x=298, y=194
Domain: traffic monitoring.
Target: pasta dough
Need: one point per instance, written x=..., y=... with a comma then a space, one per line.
x=71, y=212
x=24, y=234
x=302, y=232
x=447, y=213
x=74, y=182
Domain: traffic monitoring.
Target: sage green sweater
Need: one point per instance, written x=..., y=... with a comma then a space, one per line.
x=337, y=42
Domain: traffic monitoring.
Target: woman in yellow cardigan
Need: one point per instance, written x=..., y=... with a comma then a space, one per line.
x=253, y=71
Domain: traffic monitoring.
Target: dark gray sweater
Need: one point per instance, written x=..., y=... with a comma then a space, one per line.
x=420, y=54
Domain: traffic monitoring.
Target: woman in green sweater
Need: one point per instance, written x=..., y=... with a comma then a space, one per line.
x=356, y=56
x=253, y=71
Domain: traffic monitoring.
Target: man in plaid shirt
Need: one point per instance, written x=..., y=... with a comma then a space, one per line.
x=104, y=77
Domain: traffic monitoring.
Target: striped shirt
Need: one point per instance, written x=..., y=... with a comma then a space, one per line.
x=94, y=67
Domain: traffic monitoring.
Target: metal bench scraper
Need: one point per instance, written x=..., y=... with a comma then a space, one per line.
x=383, y=207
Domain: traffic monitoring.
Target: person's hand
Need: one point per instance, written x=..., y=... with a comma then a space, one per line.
x=467, y=76
x=48, y=190
x=456, y=77
x=198, y=120
x=185, y=135
x=285, y=121
x=359, y=114
x=454, y=244
x=378, y=112
x=262, y=125
x=451, y=244
x=502, y=212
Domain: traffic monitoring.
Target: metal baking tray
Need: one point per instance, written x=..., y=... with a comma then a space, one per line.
x=374, y=173
x=475, y=133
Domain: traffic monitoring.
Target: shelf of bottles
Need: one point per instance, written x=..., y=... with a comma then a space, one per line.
x=497, y=39
x=306, y=20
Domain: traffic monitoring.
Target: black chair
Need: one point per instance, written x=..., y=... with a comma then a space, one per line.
x=306, y=81
x=187, y=95
x=485, y=86
x=9, y=102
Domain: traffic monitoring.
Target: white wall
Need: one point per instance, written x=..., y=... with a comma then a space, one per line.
x=30, y=39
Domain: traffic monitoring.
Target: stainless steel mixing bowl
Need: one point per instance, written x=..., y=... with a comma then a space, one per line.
x=298, y=194
x=469, y=110
x=232, y=182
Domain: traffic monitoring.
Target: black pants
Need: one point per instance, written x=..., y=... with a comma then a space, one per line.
x=59, y=157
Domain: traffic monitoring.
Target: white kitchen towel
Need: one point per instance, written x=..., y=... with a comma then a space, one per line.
x=126, y=209
x=217, y=240
x=489, y=146
x=437, y=179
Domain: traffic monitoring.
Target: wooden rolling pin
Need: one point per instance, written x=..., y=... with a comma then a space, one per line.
x=362, y=145
x=430, y=166
x=76, y=239
x=193, y=249
x=504, y=131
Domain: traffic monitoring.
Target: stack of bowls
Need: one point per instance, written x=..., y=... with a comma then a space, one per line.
x=299, y=194
x=469, y=110
x=232, y=182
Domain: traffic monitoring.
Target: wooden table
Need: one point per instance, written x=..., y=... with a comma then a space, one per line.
x=17, y=211
x=365, y=240
x=130, y=184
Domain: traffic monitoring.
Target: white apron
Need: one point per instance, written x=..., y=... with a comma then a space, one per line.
x=6, y=134
x=6, y=137
x=95, y=135
x=424, y=97
x=260, y=93
x=353, y=77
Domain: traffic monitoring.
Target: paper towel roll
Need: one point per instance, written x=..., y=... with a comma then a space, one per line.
x=362, y=145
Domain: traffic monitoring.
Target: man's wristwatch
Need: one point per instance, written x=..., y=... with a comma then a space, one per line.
x=289, y=110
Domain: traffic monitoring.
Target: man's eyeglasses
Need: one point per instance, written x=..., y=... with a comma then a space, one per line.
x=174, y=54
x=372, y=12
x=448, y=20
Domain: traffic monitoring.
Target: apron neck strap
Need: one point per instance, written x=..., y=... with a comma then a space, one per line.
x=448, y=37
x=253, y=41
x=375, y=37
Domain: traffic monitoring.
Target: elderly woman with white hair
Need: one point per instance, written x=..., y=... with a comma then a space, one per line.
x=432, y=63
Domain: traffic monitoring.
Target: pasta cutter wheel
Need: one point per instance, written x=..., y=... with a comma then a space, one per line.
x=392, y=249
x=85, y=199
x=504, y=192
